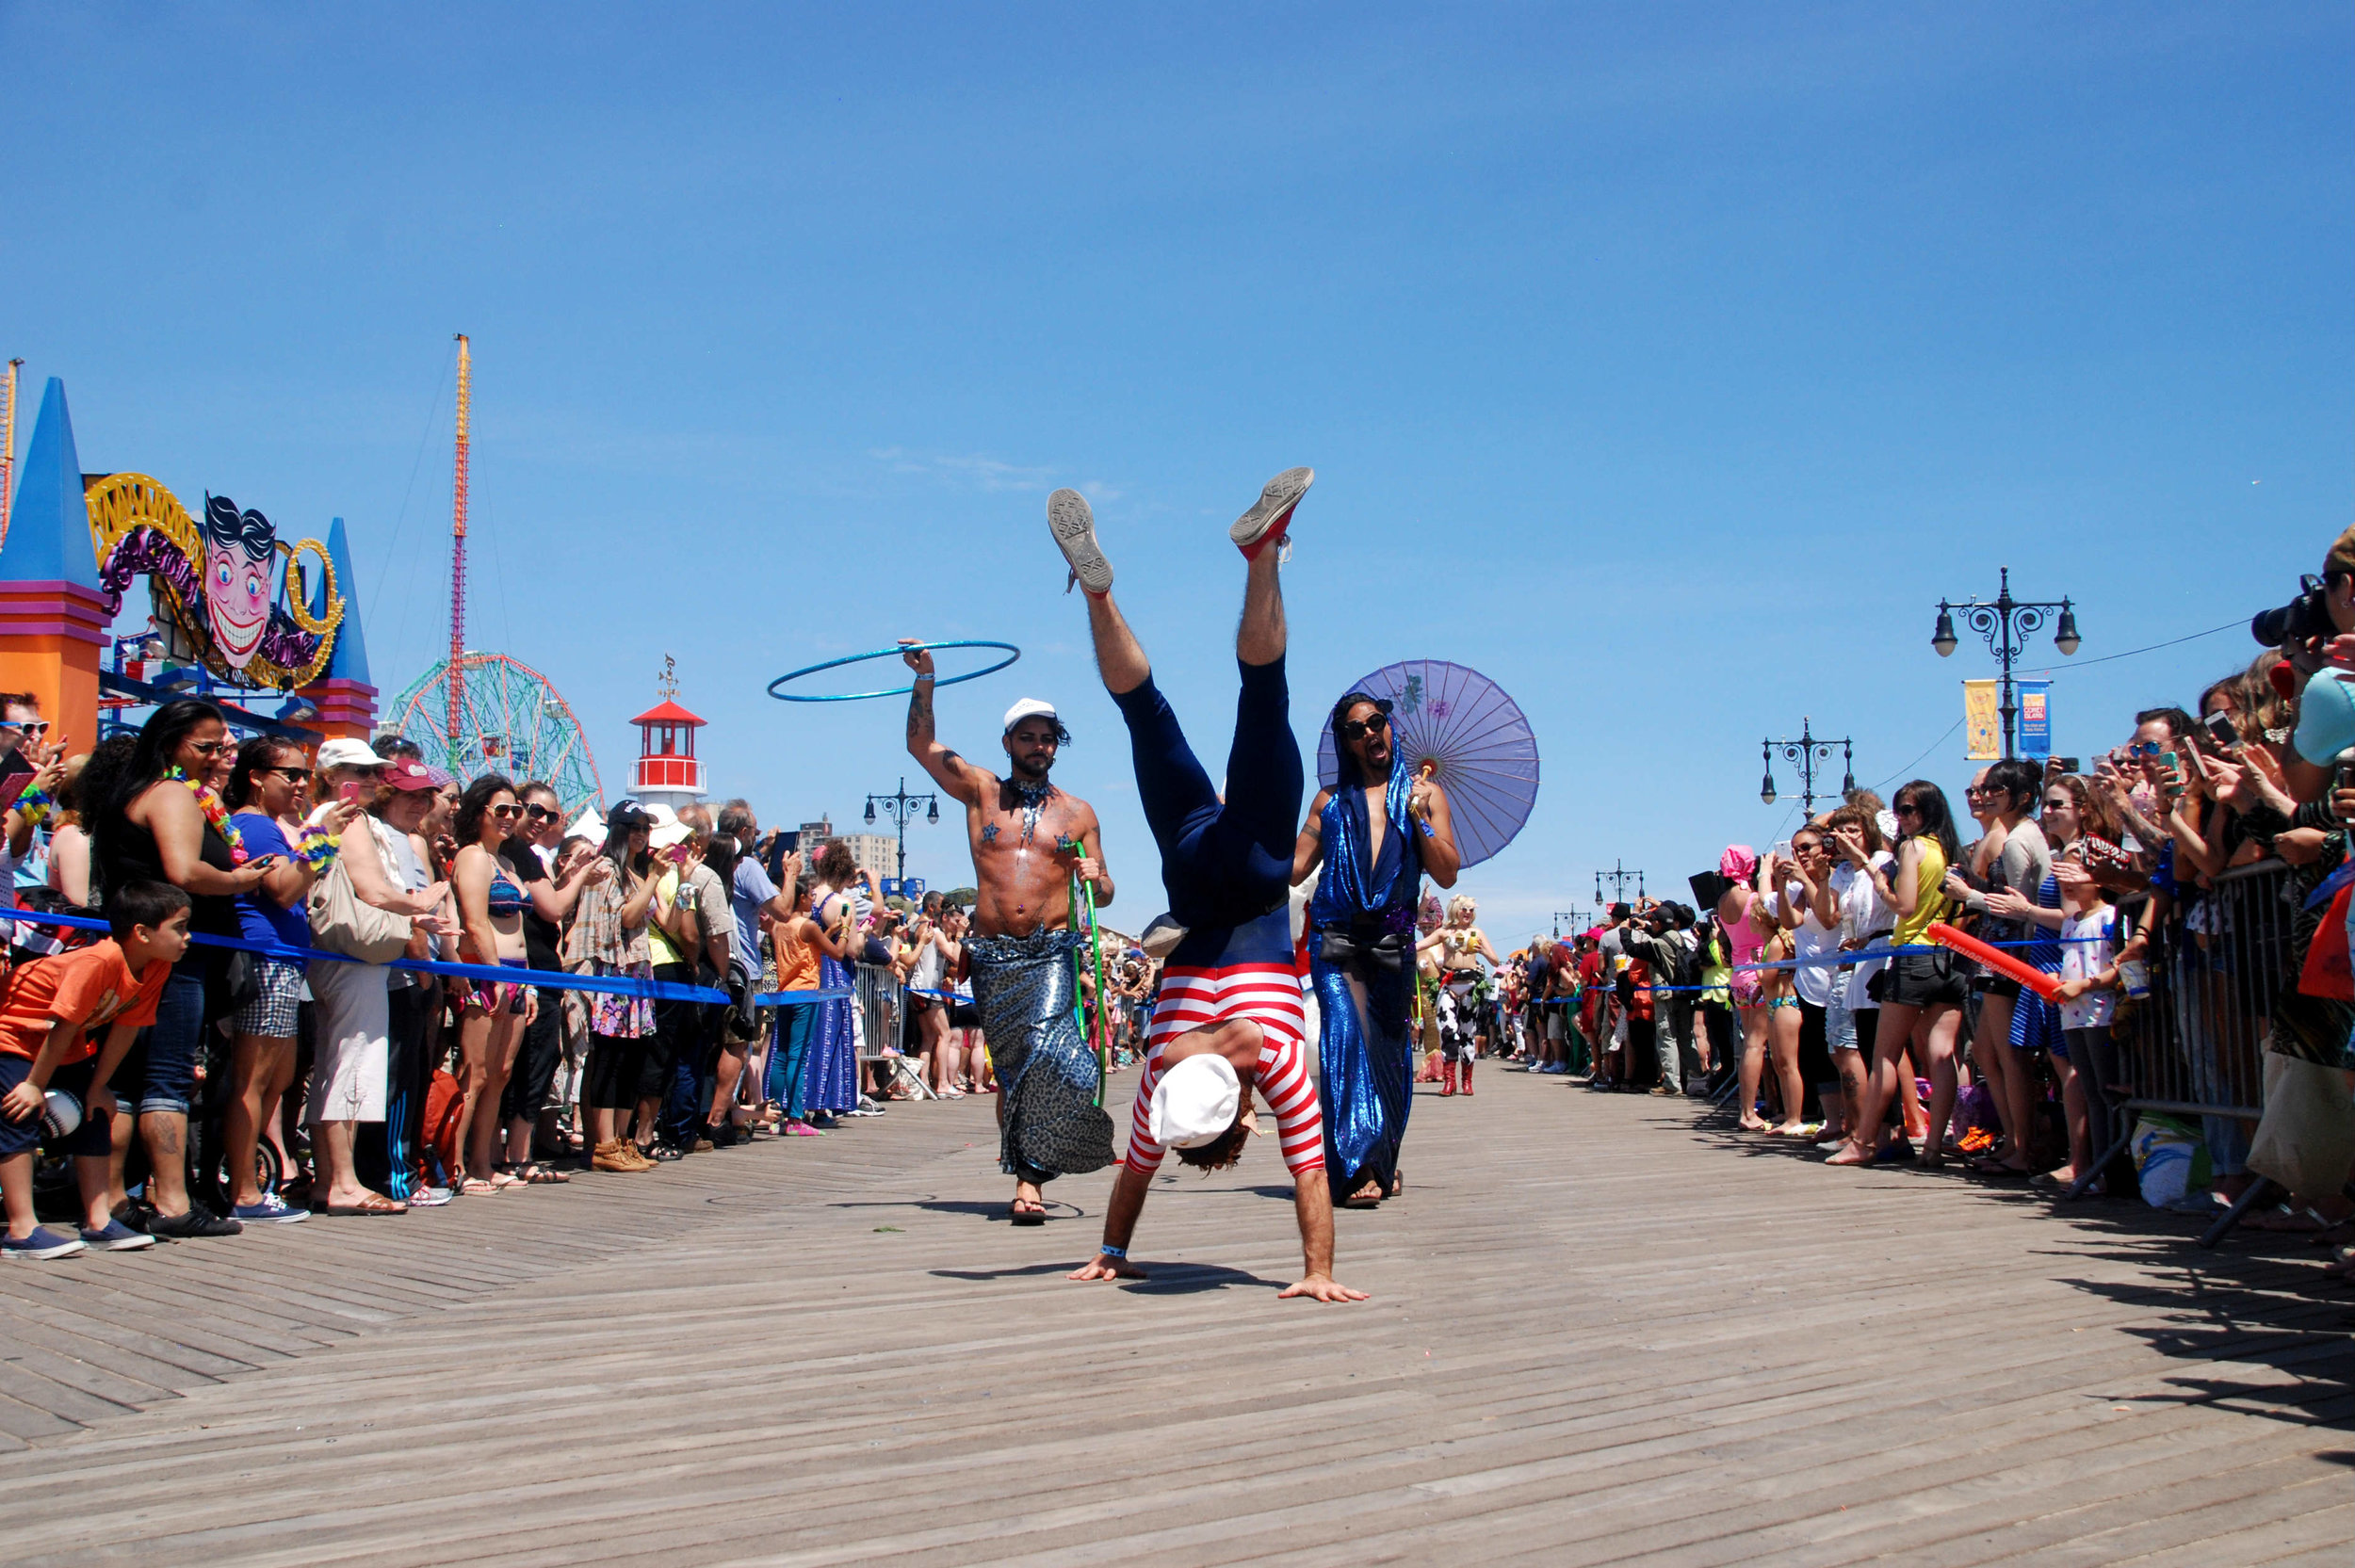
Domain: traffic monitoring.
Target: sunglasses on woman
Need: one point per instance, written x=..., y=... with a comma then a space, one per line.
x=538, y=814
x=1356, y=729
x=507, y=813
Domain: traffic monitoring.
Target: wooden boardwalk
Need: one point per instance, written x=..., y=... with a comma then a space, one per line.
x=1602, y=1332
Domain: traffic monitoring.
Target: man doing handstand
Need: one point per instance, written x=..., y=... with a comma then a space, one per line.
x=1229, y=1016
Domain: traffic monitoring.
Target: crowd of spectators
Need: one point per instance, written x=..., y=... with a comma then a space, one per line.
x=213, y=1087
x=2186, y=895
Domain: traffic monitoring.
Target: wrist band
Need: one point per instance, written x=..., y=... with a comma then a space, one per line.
x=1111, y=1250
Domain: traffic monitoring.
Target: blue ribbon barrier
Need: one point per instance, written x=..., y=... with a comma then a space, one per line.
x=620, y=985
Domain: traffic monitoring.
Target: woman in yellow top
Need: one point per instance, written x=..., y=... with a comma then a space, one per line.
x=1920, y=993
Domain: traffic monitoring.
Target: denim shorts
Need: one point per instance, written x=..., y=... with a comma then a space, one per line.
x=159, y=1074
x=89, y=1140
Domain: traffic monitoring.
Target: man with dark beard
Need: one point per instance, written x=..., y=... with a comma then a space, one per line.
x=1022, y=948
x=1375, y=833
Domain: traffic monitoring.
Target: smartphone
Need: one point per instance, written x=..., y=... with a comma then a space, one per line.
x=675, y=854
x=349, y=790
x=2168, y=761
x=15, y=774
x=2220, y=730
x=2071, y=765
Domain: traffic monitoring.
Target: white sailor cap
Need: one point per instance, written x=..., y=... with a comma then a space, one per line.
x=1195, y=1102
x=1030, y=707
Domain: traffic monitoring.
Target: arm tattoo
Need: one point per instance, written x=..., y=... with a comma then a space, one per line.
x=920, y=717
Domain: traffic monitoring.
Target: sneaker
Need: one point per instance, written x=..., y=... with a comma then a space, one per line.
x=116, y=1238
x=825, y=1120
x=272, y=1210
x=1073, y=527
x=1272, y=512
x=798, y=1128
x=1664, y=1090
x=423, y=1196
x=133, y=1212
x=43, y=1243
x=196, y=1222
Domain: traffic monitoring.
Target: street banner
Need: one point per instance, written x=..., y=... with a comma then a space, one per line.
x=2036, y=719
x=1982, y=722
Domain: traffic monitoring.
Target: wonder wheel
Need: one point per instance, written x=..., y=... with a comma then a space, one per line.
x=509, y=720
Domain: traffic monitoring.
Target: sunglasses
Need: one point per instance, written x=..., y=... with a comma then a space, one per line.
x=538, y=814
x=2143, y=748
x=1907, y=811
x=32, y=729
x=507, y=813
x=209, y=748
x=1973, y=789
x=2059, y=802
x=292, y=775
x=1356, y=729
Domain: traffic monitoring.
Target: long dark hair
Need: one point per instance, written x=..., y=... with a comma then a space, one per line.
x=465, y=823
x=617, y=848
x=1937, y=821
x=150, y=758
x=1351, y=775
x=720, y=853
x=258, y=755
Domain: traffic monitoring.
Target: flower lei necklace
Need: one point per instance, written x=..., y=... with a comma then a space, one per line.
x=216, y=815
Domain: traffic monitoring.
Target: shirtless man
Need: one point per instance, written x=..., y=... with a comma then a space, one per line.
x=1022, y=948
x=1229, y=1018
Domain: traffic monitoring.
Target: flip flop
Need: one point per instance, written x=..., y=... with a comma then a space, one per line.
x=1036, y=1215
x=367, y=1208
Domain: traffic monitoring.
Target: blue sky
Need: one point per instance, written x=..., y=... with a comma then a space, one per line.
x=1666, y=362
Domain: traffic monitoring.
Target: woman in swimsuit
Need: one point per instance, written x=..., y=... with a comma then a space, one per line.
x=491, y=902
x=1743, y=917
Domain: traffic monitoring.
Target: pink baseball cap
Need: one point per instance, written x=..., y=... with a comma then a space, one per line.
x=407, y=773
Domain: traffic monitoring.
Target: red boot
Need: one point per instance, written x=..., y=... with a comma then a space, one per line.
x=1447, y=1079
x=1468, y=1067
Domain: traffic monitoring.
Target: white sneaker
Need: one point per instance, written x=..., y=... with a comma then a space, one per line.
x=1073, y=527
x=1272, y=508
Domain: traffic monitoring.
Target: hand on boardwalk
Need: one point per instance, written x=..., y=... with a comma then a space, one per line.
x=1320, y=1288
x=1102, y=1268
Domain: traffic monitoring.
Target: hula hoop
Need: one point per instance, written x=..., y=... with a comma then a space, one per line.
x=1013, y=654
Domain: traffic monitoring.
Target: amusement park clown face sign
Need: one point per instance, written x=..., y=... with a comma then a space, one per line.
x=221, y=597
x=238, y=547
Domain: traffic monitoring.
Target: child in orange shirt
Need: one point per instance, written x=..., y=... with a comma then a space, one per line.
x=49, y=1010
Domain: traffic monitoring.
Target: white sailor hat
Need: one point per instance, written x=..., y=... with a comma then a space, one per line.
x=1195, y=1102
x=1030, y=707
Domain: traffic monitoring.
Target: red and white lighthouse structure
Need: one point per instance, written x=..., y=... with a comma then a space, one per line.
x=668, y=771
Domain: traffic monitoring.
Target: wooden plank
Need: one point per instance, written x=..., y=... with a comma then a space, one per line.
x=1596, y=1337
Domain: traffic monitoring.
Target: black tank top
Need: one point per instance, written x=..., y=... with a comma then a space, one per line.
x=131, y=856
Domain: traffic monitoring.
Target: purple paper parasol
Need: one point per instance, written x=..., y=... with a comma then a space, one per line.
x=1484, y=752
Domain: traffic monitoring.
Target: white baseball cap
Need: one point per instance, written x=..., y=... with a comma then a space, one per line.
x=348, y=754
x=1195, y=1102
x=1030, y=707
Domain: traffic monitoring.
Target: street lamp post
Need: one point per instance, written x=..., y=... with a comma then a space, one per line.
x=899, y=806
x=1575, y=915
x=1618, y=878
x=1806, y=753
x=2006, y=624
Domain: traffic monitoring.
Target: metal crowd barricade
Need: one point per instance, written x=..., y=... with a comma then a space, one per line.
x=882, y=1007
x=2195, y=1046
